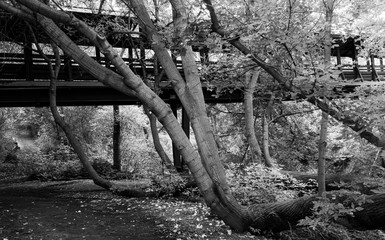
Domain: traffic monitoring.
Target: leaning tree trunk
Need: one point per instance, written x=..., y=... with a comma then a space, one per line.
x=156, y=141
x=250, y=83
x=72, y=139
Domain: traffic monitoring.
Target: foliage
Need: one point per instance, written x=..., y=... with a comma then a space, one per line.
x=333, y=207
x=46, y=167
x=258, y=184
x=167, y=184
x=102, y=167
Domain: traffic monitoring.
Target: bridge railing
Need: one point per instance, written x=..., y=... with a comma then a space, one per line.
x=14, y=68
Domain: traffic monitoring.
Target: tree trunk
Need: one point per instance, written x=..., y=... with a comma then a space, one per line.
x=116, y=137
x=72, y=139
x=265, y=129
x=250, y=82
x=321, y=154
x=322, y=146
x=285, y=215
x=157, y=144
x=266, y=151
x=153, y=125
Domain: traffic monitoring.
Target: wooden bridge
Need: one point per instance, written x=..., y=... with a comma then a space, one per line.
x=24, y=75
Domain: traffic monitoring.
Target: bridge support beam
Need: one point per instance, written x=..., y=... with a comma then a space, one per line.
x=178, y=160
x=116, y=139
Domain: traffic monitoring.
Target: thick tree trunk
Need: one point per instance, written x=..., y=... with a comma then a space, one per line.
x=250, y=83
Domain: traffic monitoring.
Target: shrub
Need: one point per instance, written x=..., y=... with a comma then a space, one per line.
x=327, y=210
x=40, y=166
x=103, y=168
x=168, y=184
x=258, y=184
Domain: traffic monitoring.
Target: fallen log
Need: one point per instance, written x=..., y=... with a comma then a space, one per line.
x=281, y=216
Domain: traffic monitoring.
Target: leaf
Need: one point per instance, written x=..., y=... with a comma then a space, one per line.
x=359, y=208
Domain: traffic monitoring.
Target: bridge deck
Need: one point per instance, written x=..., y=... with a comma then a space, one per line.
x=27, y=84
x=24, y=84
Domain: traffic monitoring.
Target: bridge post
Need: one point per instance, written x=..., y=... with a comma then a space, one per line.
x=68, y=68
x=339, y=62
x=97, y=55
x=116, y=139
x=178, y=164
x=185, y=126
x=373, y=67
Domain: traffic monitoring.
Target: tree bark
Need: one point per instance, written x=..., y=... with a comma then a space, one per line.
x=250, y=83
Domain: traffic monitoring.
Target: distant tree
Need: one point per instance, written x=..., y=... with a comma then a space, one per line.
x=250, y=82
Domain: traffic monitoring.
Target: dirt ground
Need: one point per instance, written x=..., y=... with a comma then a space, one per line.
x=79, y=209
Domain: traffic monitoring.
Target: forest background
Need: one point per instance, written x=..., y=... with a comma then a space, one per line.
x=288, y=39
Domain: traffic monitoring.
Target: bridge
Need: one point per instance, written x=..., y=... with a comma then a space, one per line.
x=24, y=75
